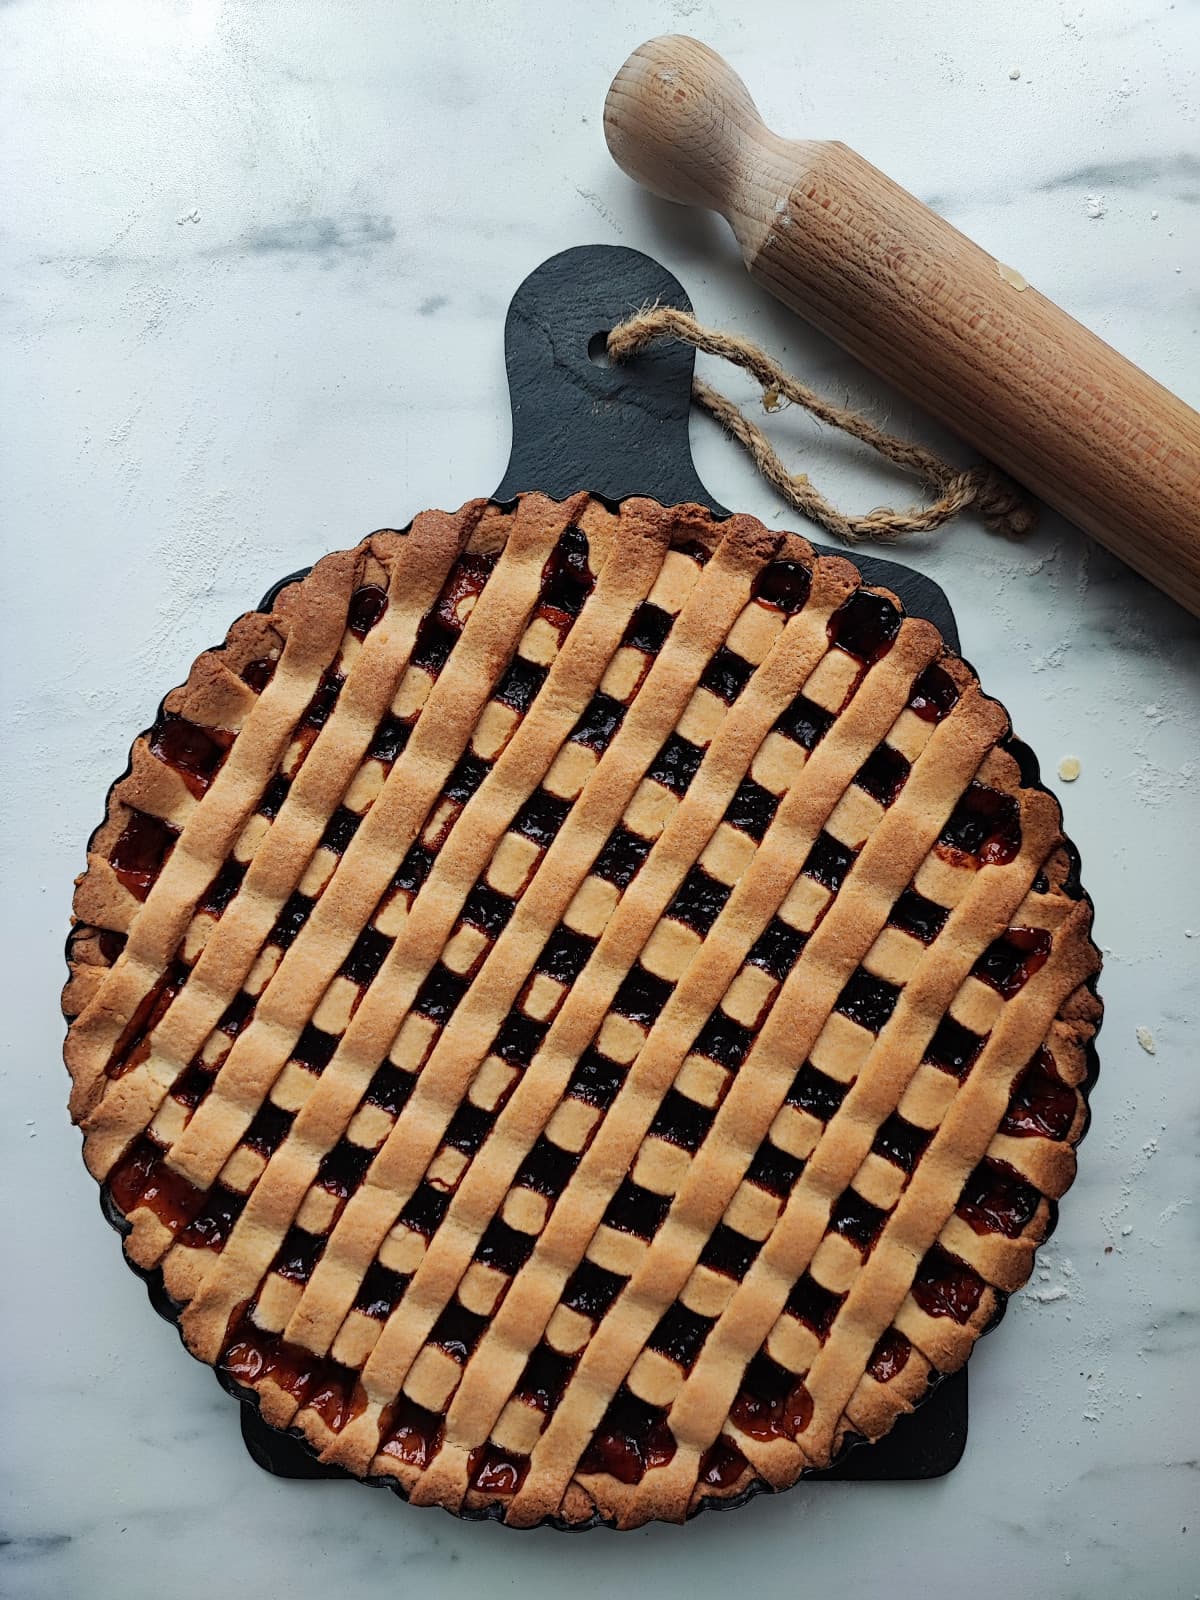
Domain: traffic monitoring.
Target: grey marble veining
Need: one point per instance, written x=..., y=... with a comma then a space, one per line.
x=255, y=261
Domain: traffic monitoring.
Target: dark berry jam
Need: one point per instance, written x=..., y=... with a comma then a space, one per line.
x=954, y=1048
x=320, y=707
x=223, y=888
x=210, y=1228
x=889, y=1357
x=258, y=674
x=1041, y=1102
x=868, y=1000
x=495, y=1471
x=194, y=752
x=680, y=1334
x=636, y=1210
x=648, y=628
x=457, y=1331
x=865, y=625
x=621, y=857
x=829, y=861
x=567, y=579
x=947, y=1287
x=642, y=996
x=333, y=1391
x=773, y=1402
x=600, y=720
x=726, y=675
x=883, y=774
x=752, y=808
x=380, y=1290
x=410, y=1433
x=913, y=914
x=729, y=1252
x=142, y=1178
x=901, y=1142
x=722, y=1464
x=681, y=1121
x=546, y=1375
x=934, y=695
x=138, y=855
x=783, y=585
x=996, y=1199
x=367, y=605
x=1009, y=962
x=633, y=1438
x=592, y=1290
x=856, y=1219
x=676, y=764
x=985, y=824
x=460, y=591
x=814, y=1305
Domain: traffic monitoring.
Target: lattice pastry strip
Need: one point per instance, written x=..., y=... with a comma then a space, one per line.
x=582, y=1008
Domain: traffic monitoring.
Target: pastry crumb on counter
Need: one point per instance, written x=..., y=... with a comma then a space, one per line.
x=1069, y=769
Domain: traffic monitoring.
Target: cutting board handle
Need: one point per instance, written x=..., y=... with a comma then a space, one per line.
x=959, y=332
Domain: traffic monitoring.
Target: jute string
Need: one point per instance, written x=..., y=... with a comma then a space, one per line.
x=1003, y=506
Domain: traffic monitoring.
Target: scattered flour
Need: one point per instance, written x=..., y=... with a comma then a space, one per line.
x=1095, y=205
x=1146, y=1039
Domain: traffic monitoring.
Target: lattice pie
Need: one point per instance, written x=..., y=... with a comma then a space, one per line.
x=581, y=1008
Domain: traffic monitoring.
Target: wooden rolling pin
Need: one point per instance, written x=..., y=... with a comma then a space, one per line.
x=959, y=332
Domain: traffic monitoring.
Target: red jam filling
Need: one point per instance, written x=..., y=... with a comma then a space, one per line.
x=722, y=1464
x=783, y=585
x=149, y=1012
x=462, y=588
x=194, y=752
x=1041, y=1102
x=367, y=605
x=985, y=825
x=410, y=1433
x=996, y=1199
x=142, y=1178
x=934, y=695
x=139, y=853
x=773, y=1402
x=495, y=1471
x=254, y=1355
x=889, y=1357
x=1009, y=962
x=632, y=1439
x=258, y=674
x=947, y=1287
x=866, y=625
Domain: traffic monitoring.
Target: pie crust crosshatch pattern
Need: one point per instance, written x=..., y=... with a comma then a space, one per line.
x=582, y=1009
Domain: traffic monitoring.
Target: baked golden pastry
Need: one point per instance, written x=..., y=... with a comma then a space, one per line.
x=581, y=1008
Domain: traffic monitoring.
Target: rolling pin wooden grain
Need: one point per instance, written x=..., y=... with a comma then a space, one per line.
x=956, y=330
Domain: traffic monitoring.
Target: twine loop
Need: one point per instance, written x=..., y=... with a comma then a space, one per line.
x=1002, y=504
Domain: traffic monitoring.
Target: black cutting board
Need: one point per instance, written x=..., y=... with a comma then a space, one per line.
x=580, y=423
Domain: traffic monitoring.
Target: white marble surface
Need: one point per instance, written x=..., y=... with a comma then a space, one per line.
x=255, y=263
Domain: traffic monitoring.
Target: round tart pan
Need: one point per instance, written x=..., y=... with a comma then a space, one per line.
x=273, y=1449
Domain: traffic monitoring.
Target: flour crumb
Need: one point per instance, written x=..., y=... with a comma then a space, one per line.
x=188, y=216
x=1015, y=73
x=1095, y=206
x=1048, y=1297
x=1146, y=1039
x=1069, y=769
x=1154, y=216
x=1012, y=277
